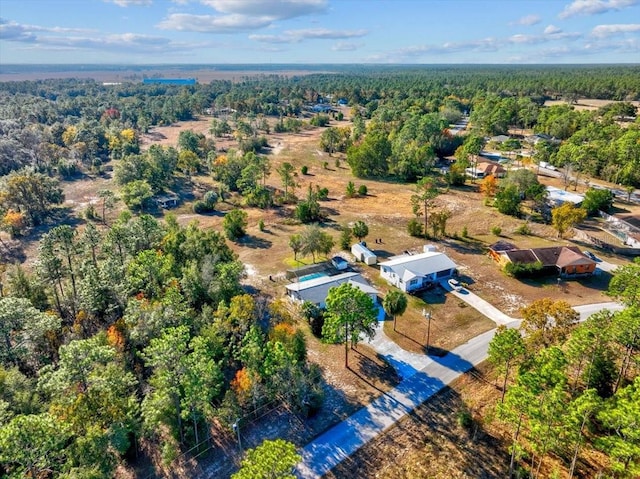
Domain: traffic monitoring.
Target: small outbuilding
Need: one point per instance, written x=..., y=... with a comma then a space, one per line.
x=363, y=254
x=339, y=263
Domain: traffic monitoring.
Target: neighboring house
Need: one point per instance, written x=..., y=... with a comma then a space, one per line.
x=565, y=261
x=167, y=201
x=316, y=290
x=418, y=271
x=499, y=138
x=484, y=169
x=537, y=138
x=363, y=254
x=557, y=197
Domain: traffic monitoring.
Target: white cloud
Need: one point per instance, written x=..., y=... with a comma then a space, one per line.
x=128, y=3
x=345, y=47
x=213, y=24
x=552, y=30
x=13, y=31
x=241, y=15
x=592, y=7
x=519, y=38
x=528, y=20
x=603, y=31
x=276, y=9
x=297, y=36
x=57, y=38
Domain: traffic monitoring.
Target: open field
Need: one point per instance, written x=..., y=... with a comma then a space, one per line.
x=587, y=104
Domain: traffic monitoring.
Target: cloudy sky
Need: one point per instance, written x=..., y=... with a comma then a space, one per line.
x=319, y=31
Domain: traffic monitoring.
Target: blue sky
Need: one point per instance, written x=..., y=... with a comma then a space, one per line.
x=319, y=31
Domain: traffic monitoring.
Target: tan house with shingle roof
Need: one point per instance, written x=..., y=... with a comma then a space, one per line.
x=566, y=261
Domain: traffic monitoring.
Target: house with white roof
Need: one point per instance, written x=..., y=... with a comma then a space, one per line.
x=411, y=272
x=557, y=197
x=363, y=254
x=316, y=290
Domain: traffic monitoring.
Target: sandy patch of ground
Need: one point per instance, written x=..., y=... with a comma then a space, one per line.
x=588, y=104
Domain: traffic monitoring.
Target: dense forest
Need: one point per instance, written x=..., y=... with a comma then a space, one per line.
x=132, y=330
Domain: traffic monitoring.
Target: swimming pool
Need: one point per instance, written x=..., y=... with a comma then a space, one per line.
x=307, y=277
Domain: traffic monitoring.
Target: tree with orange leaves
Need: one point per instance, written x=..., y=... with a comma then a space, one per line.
x=489, y=186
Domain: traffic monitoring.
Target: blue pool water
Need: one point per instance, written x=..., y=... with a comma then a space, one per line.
x=307, y=277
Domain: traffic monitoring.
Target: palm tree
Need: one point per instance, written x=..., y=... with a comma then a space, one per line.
x=395, y=304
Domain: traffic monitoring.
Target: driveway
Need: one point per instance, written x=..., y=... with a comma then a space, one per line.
x=486, y=308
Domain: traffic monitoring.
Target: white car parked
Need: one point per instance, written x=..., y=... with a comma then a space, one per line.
x=455, y=284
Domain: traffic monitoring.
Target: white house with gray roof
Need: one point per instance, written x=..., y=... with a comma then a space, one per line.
x=316, y=290
x=411, y=272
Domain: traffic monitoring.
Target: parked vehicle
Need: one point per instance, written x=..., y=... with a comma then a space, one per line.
x=455, y=284
x=590, y=255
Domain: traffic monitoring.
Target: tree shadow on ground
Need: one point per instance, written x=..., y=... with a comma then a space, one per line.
x=466, y=246
x=254, y=242
x=372, y=369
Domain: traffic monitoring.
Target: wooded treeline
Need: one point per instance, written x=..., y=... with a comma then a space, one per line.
x=570, y=388
x=136, y=332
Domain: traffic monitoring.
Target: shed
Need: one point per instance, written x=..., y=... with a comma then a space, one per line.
x=339, y=263
x=363, y=254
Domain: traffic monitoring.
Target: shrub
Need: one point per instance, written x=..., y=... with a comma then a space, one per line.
x=313, y=315
x=261, y=225
x=351, y=190
x=496, y=230
x=414, y=228
x=323, y=193
x=521, y=270
x=346, y=238
x=337, y=163
x=68, y=169
x=90, y=213
x=362, y=190
x=210, y=199
x=200, y=207
x=304, y=169
x=465, y=232
x=235, y=224
x=325, y=165
x=465, y=419
x=524, y=229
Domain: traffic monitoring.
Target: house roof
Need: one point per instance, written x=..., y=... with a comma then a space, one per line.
x=339, y=259
x=560, y=256
x=558, y=196
x=569, y=257
x=490, y=168
x=419, y=264
x=520, y=256
x=502, y=246
x=316, y=289
x=359, y=247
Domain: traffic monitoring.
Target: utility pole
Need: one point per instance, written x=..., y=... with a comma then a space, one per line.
x=236, y=428
x=427, y=315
